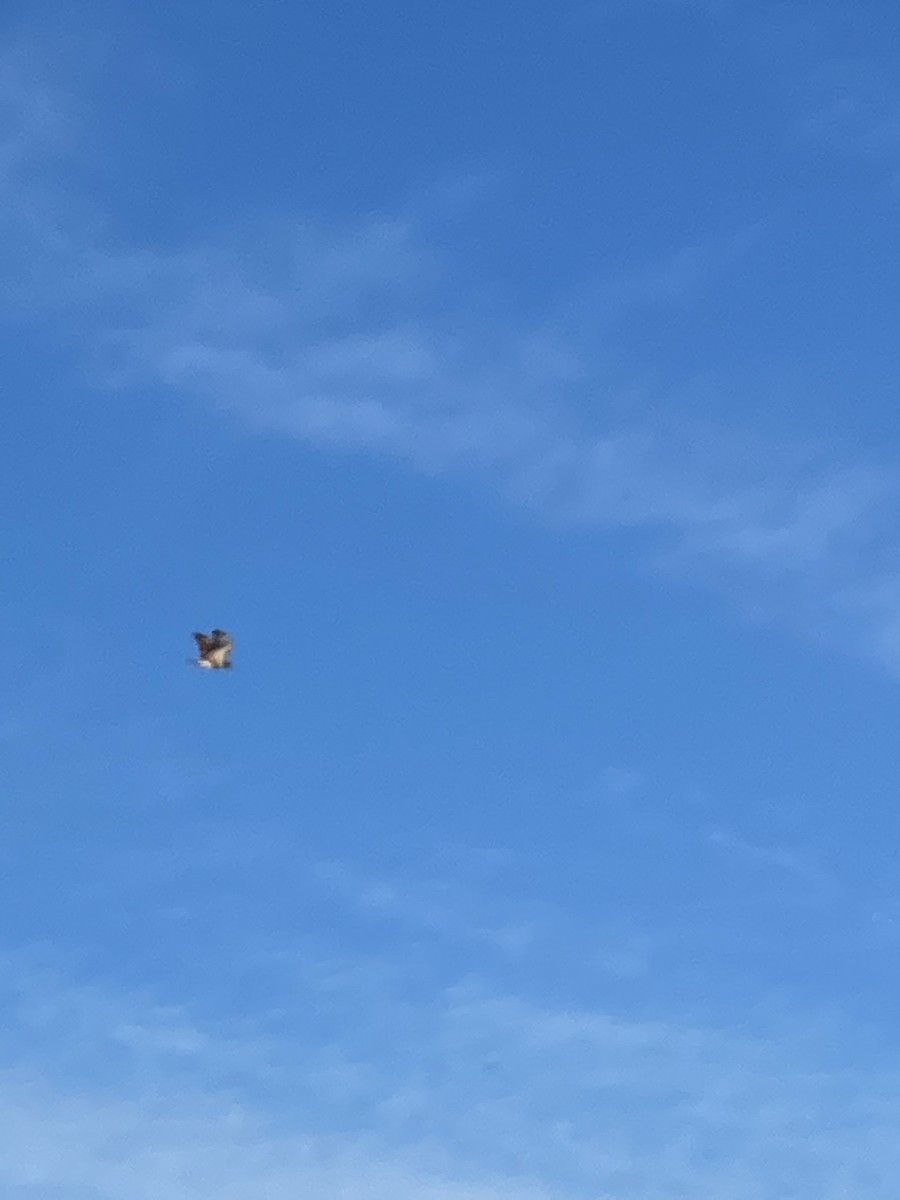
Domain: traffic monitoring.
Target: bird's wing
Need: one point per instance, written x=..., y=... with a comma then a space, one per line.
x=204, y=643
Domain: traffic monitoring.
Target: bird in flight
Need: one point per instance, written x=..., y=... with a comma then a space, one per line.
x=214, y=649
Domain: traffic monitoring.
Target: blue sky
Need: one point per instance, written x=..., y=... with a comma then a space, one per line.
x=517, y=383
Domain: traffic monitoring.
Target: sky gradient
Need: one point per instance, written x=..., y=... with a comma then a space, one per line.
x=517, y=383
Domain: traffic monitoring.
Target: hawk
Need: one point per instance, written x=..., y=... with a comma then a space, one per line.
x=215, y=649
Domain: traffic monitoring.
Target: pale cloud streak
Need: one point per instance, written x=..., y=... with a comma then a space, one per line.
x=449, y=909
x=506, y=407
x=850, y=106
x=790, y=860
x=466, y=1093
x=361, y=339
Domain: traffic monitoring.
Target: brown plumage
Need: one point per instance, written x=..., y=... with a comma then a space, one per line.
x=214, y=649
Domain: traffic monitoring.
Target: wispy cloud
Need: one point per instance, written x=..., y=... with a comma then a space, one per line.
x=852, y=107
x=620, y=783
x=468, y=1093
x=498, y=405
x=33, y=117
x=451, y=909
x=795, y=862
x=361, y=338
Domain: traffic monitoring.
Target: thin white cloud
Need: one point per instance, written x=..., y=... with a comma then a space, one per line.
x=620, y=783
x=852, y=107
x=793, y=861
x=498, y=405
x=466, y=1093
x=452, y=909
x=361, y=339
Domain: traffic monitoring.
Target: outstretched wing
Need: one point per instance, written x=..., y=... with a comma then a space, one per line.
x=215, y=648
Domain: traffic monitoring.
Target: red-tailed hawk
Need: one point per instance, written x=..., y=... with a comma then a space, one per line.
x=215, y=649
